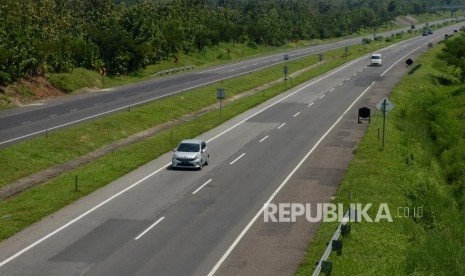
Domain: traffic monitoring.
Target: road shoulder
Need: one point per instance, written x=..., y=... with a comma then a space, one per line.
x=277, y=248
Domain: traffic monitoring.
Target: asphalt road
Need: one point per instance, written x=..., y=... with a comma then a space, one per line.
x=156, y=221
x=21, y=123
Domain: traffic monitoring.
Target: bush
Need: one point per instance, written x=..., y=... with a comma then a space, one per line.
x=366, y=41
x=252, y=45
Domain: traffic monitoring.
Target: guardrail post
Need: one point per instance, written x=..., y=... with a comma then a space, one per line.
x=334, y=243
x=327, y=267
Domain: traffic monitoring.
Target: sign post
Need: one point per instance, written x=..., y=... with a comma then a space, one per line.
x=220, y=95
x=286, y=70
x=103, y=73
x=385, y=105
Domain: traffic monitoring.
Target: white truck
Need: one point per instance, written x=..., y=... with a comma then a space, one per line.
x=376, y=60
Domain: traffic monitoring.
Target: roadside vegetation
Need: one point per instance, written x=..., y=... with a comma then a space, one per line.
x=40, y=37
x=420, y=175
x=34, y=155
x=134, y=60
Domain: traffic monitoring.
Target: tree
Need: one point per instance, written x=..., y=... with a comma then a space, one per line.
x=454, y=54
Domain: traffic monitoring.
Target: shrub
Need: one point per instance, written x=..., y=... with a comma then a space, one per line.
x=366, y=41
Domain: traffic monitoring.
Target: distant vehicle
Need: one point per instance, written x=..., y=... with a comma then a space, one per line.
x=455, y=31
x=427, y=31
x=376, y=60
x=191, y=153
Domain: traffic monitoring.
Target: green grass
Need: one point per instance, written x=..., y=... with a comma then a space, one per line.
x=210, y=56
x=58, y=147
x=77, y=79
x=422, y=165
x=39, y=153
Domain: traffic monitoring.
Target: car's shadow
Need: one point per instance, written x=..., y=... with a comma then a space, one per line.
x=171, y=168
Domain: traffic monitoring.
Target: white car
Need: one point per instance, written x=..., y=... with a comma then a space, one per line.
x=190, y=153
x=376, y=60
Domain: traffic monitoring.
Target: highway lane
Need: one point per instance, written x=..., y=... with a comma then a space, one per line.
x=25, y=122
x=157, y=225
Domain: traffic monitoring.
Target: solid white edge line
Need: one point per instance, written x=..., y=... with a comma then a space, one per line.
x=150, y=227
x=237, y=159
x=80, y=217
x=263, y=139
x=203, y=185
x=19, y=253
x=281, y=125
x=390, y=67
x=244, y=231
x=285, y=97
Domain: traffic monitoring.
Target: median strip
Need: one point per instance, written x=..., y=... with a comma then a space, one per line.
x=137, y=154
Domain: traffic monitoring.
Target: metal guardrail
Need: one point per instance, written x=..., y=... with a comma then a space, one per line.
x=173, y=70
x=329, y=248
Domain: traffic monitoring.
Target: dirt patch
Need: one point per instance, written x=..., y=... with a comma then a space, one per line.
x=406, y=20
x=29, y=90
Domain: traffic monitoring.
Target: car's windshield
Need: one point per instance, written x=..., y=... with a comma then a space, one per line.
x=188, y=147
x=375, y=57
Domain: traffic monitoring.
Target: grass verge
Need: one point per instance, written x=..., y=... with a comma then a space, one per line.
x=58, y=147
x=23, y=159
x=420, y=175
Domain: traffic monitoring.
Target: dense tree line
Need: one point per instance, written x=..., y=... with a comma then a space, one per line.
x=454, y=54
x=40, y=36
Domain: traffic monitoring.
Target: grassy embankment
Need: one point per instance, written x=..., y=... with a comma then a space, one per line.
x=34, y=155
x=81, y=78
x=421, y=170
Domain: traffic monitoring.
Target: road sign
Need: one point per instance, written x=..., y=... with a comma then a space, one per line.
x=102, y=71
x=364, y=113
x=220, y=94
x=385, y=105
